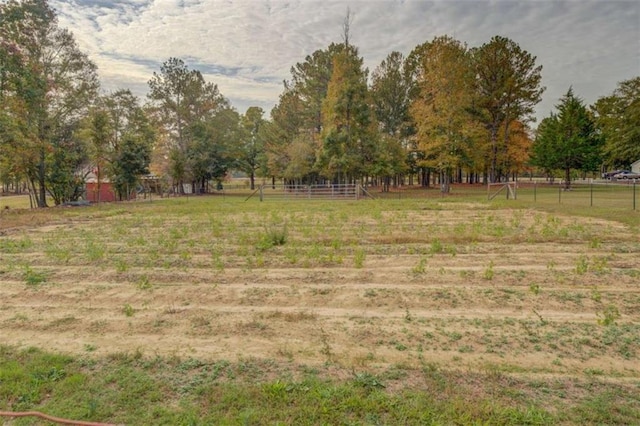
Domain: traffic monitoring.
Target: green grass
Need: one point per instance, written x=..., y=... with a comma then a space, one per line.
x=151, y=246
x=134, y=389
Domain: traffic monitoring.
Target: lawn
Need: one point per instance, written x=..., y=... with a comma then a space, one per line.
x=431, y=310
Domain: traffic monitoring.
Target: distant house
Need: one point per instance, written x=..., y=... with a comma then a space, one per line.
x=635, y=167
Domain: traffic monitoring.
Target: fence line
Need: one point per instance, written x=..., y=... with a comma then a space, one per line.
x=311, y=192
x=591, y=194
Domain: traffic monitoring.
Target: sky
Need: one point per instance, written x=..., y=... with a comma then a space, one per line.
x=247, y=47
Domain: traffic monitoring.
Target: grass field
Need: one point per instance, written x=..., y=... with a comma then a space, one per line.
x=217, y=310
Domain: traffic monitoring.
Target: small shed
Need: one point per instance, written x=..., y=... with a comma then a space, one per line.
x=635, y=167
x=107, y=192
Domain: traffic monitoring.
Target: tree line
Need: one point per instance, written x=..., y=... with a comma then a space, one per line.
x=445, y=113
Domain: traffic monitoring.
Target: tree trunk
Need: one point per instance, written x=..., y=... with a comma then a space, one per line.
x=42, y=190
x=567, y=179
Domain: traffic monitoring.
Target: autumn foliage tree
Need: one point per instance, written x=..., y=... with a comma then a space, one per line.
x=445, y=127
x=508, y=86
x=50, y=84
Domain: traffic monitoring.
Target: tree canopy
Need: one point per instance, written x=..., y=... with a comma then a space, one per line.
x=444, y=111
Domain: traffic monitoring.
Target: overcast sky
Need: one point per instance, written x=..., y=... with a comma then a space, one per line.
x=248, y=47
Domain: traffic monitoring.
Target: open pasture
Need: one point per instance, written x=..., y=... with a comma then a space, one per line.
x=543, y=304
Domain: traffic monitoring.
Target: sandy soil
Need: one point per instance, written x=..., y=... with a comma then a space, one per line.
x=519, y=302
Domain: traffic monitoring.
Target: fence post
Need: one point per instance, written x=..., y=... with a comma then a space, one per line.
x=535, y=186
x=559, y=194
x=591, y=191
x=261, y=195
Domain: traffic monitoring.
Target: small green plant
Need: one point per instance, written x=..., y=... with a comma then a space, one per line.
x=273, y=236
x=128, y=310
x=600, y=265
x=609, y=315
x=582, y=265
x=489, y=273
x=367, y=381
x=535, y=288
x=420, y=268
x=359, y=257
x=121, y=265
x=94, y=251
x=596, y=296
x=436, y=246
x=143, y=283
x=32, y=277
x=407, y=315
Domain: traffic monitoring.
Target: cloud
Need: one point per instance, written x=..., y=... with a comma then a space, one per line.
x=247, y=47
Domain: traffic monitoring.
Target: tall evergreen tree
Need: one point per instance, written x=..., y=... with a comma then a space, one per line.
x=567, y=140
x=181, y=98
x=618, y=119
x=349, y=147
x=390, y=93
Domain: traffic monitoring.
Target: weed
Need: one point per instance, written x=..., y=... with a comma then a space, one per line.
x=535, y=288
x=32, y=277
x=367, y=381
x=609, y=315
x=599, y=265
x=128, y=310
x=144, y=283
x=407, y=316
x=420, y=268
x=273, y=236
x=370, y=293
x=121, y=265
x=582, y=265
x=326, y=347
x=489, y=272
x=359, y=258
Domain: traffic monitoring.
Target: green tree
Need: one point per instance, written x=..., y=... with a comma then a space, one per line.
x=441, y=111
x=181, y=98
x=618, y=119
x=280, y=132
x=348, y=133
x=390, y=91
x=507, y=89
x=298, y=117
x=568, y=140
x=115, y=117
x=252, y=154
x=99, y=150
x=54, y=89
x=214, y=147
x=131, y=160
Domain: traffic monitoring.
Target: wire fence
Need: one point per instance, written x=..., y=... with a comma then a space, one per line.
x=621, y=195
x=310, y=192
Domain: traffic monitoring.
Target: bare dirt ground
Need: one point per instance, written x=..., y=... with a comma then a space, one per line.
x=467, y=288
